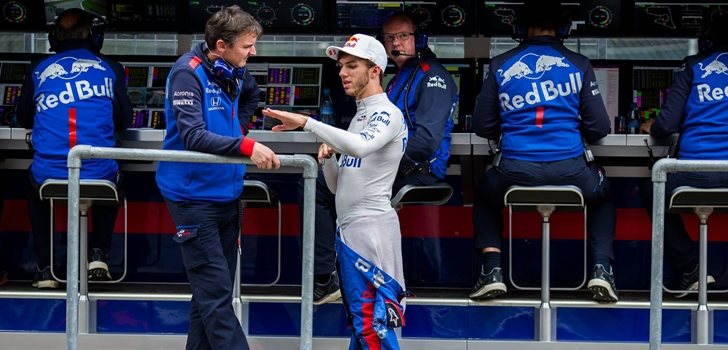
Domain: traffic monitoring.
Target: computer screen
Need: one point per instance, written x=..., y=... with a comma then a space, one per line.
x=354, y=16
x=608, y=80
x=136, y=76
x=54, y=8
x=26, y=15
x=588, y=17
x=13, y=72
x=672, y=18
x=443, y=17
x=276, y=16
x=143, y=16
x=159, y=76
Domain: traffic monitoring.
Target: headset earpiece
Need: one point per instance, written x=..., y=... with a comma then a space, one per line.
x=98, y=28
x=420, y=41
x=564, y=29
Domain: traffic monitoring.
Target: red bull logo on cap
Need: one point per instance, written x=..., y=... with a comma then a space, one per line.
x=351, y=42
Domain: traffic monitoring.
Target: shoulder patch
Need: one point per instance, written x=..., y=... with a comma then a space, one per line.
x=194, y=62
x=425, y=67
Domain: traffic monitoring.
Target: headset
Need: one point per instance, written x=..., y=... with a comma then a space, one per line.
x=96, y=25
x=226, y=74
x=531, y=15
x=221, y=69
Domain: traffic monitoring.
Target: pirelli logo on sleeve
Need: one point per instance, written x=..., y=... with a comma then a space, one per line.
x=183, y=98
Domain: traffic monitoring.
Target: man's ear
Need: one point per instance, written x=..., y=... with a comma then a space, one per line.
x=220, y=45
x=375, y=72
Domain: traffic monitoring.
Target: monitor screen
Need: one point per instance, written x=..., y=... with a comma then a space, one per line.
x=306, y=75
x=13, y=72
x=136, y=76
x=23, y=15
x=159, y=76
x=588, y=17
x=663, y=18
x=608, y=80
x=363, y=15
x=443, y=17
x=143, y=16
x=276, y=16
x=54, y=8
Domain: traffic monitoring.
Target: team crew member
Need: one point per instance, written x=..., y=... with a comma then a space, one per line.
x=76, y=96
x=426, y=94
x=369, y=249
x=201, y=108
x=696, y=108
x=541, y=99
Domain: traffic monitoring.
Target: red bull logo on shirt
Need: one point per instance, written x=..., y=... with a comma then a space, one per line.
x=715, y=66
x=521, y=69
x=543, y=91
x=706, y=92
x=60, y=69
x=68, y=68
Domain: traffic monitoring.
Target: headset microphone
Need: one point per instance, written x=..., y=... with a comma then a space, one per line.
x=396, y=53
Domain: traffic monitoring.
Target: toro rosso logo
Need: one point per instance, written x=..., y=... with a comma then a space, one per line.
x=522, y=67
x=716, y=67
x=67, y=68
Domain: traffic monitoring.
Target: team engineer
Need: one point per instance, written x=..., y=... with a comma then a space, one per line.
x=696, y=108
x=201, y=108
x=540, y=99
x=76, y=96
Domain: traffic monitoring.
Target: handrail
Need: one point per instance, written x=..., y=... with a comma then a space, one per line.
x=80, y=152
x=659, y=176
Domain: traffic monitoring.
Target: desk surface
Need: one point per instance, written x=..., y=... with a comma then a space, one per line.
x=291, y=142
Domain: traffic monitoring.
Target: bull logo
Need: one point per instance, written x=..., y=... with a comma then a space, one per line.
x=82, y=66
x=715, y=66
x=67, y=68
x=522, y=67
x=518, y=70
x=351, y=42
x=545, y=62
x=53, y=71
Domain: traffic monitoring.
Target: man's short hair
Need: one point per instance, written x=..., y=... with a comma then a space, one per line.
x=228, y=24
x=402, y=16
x=71, y=24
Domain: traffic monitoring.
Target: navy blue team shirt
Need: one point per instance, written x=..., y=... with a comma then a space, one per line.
x=697, y=107
x=543, y=99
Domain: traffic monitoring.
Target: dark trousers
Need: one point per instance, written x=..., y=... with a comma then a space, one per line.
x=680, y=250
x=590, y=178
x=207, y=234
x=325, y=226
x=103, y=218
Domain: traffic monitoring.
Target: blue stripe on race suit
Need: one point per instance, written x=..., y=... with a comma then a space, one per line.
x=367, y=290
